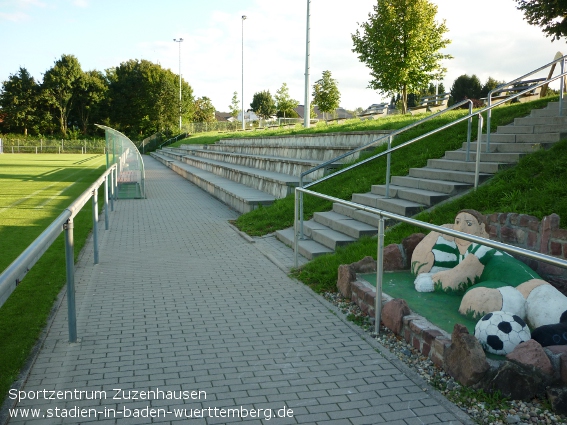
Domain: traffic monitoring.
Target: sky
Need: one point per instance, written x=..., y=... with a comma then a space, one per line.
x=488, y=38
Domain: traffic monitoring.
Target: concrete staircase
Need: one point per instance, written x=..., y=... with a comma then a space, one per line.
x=425, y=187
x=248, y=173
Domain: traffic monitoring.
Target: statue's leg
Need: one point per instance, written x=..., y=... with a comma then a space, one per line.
x=481, y=300
x=545, y=305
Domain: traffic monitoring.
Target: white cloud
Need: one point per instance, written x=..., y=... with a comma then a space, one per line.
x=81, y=3
x=14, y=17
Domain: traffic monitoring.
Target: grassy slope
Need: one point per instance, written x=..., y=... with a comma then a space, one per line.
x=24, y=315
x=535, y=186
x=359, y=180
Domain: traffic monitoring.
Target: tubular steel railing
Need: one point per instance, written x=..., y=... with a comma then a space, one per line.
x=13, y=275
x=388, y=152
x=380, y=246
x=299, y=191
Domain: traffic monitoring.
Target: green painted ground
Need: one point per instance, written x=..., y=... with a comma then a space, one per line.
x=34, y=190
x=439, y=308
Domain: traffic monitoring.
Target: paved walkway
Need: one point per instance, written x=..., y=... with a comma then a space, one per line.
x=182, y=306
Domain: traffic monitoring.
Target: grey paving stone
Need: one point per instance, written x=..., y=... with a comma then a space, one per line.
x=181, y=301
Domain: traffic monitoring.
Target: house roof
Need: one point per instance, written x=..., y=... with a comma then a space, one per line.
x=222, y=116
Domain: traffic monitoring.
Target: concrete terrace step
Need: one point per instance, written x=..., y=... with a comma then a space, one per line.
x=238, y=196
x=394, y=205
x=509, y=147
x=523, y=137
x=502, y=157
x=325, y=235
x=317, y=153
x=541, y=121
x=449, y=175
x=277, y=184
x=344, y=224
x=442, y=186
x=419, y=196
x=453, y=165
x=292, y=166
x=532, y=129
x=306, y=247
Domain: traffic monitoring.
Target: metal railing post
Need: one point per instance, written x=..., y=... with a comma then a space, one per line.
x=115, y=188
x=477, y=164
x=488, y=118
x=379, y=276
x=106, y=202
x=70, y=267
x=469, y=132
x=561, y=87
x=295, y=230
x=111, y=190
x=95, y=224
x=388, y=162
x=301, y=234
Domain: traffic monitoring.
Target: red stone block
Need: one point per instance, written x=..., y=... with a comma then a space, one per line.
x=417, y=326
x=437, y=360
x=416, y=343
x=555, y=248
x=560, y=234
x=493, y=232
x=364, y=307
x=514, y=218
x=426, y=349
x=429, y=335
x=407, y=335
x=508, y=235
x=526, y=219
x=532, y=240
x=492, y=218
x=370, y=297
x=520, y=236
x=502, y=218
x=371, y=312
x=534, y=225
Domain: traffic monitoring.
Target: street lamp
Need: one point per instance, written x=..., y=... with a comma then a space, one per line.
x=307, y=108
x=180, y=40
x=242, y=96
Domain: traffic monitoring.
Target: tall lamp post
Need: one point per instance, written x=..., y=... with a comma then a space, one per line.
x=180, y=40
x=242, y=96
x=307, y=108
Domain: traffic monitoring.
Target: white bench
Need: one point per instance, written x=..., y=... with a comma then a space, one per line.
x=519, y=86
x=431, y=103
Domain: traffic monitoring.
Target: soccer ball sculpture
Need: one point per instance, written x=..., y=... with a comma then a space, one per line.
x=500, y=332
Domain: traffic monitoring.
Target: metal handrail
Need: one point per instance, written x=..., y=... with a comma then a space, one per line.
x=380, y=249
x=15, y=272
x=519, y=79
x=387, y=152
x=172, y=140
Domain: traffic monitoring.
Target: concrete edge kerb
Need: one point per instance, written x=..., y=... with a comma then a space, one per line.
x=411, y=374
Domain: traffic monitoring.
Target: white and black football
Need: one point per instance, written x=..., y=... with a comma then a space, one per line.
x=500, y=332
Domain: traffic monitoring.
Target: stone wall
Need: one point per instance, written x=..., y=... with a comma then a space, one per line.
x=529, y=232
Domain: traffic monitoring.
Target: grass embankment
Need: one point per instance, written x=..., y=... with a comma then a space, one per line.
x=35, y=190
x=532, y=188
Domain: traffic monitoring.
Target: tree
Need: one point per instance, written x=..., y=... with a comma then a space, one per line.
x=60, y=84
x=550, y=15
x=263, y=104
x=490, y=85
x=204, y=111
x=18, y=100
x=400, y=44
x=234, y=105
x=285, y=105
x=144, y=98
x=466, y=87
x=326, y=94
x=91, y=92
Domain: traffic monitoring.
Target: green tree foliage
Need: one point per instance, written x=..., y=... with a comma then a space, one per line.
x=234, y=106
x=19, y=101
x=204, y=111
x=401, y=45
x=144, y=98
x=550, y=15
x=60, y=84
x=263, y=104
x=285, y=105
x=490, y=85
x=90, y=95
x=326, y=93
x=466, y=87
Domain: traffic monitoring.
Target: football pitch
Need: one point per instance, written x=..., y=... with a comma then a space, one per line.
x=34, y=190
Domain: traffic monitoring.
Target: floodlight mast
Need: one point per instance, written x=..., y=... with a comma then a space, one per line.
x=244, y=17
x=180, y=40
x=307, y=107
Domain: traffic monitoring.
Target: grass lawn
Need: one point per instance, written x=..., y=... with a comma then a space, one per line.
x=34, y=190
